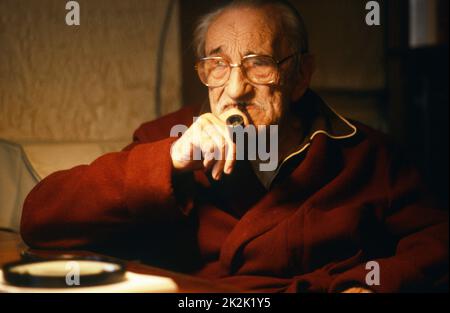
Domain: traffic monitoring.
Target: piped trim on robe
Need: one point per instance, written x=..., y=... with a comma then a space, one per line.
x=324, y=120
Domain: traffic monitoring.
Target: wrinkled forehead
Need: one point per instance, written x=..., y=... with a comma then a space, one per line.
x=242, y=31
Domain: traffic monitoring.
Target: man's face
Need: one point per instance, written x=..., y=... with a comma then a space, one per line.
x=235, y=34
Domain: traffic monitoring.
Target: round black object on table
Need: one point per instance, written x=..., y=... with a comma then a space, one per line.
x=64, y=272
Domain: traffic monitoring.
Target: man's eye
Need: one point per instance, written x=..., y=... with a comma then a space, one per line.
x=221, y=64
x=260, y=63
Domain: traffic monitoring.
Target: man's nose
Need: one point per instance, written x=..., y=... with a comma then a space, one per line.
x=237, y=87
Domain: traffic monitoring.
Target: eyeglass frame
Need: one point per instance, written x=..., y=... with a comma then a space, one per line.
x=236, y=65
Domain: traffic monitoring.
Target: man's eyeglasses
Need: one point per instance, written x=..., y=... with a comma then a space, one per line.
x=257, y=69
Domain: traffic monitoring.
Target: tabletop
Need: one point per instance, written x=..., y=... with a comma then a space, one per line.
x=11, y=247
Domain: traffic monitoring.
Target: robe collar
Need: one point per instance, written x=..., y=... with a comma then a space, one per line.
x=318, y=118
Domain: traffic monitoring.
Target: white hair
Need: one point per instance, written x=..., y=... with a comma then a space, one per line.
x=293, y=26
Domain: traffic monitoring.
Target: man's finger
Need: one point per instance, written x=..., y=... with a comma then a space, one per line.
x=227, y=151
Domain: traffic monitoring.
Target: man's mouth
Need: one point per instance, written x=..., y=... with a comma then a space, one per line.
x=241, y=106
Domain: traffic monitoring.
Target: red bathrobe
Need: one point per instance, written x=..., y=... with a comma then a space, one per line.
x=344, y=198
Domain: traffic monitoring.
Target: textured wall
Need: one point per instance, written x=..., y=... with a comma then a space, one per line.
x=93, y=82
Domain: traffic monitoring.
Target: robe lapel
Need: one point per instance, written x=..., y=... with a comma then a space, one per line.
x=283, y=200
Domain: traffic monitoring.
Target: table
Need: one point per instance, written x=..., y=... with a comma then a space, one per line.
x=11, y=247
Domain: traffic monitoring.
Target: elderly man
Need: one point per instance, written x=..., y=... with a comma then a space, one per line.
x=340, y=211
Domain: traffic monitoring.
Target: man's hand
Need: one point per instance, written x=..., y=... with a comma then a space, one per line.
x=206, y=144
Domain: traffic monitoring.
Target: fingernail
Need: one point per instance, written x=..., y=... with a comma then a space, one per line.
x=228, y=170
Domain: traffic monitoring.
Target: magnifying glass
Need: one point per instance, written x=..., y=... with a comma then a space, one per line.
x=64, y=272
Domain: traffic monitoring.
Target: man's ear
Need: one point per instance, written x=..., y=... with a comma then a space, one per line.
x=303, y=78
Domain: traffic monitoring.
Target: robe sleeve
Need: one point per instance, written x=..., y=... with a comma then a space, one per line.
x=419, y=231
x=91, y=204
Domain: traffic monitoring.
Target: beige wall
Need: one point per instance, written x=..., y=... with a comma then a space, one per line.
x=93, y=82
